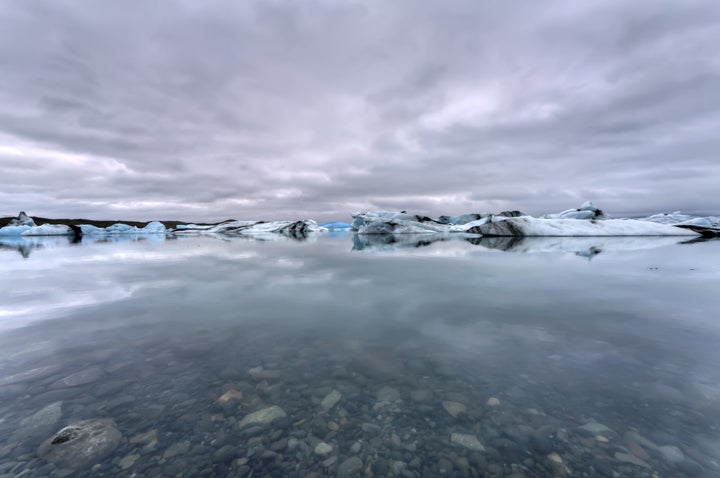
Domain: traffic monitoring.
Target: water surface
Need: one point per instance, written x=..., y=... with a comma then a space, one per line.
x=547, y=357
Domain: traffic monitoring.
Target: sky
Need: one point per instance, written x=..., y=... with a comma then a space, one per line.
x=286, y=110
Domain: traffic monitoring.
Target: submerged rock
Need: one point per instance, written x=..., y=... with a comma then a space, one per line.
x=330, y=400
x=81, y=444
x=467, y=441
x=262, y=417
x=454, y=408
x=45, y=417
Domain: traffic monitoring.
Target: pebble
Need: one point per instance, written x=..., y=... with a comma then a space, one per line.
x=323, y=448
x=633, y=460
x=349, y=467
x=671, y=454
x=466, y=440
x=262, y=417
x=595, y=428
x=128, y=461
x=454, y=408
x=330, y=400
x=388, y=394
x=493, y=402
x=229, y=396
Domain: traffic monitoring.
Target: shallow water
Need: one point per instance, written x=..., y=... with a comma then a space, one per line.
x=548, y=357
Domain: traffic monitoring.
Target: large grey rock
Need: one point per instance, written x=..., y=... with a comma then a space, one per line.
x=262, y=417
x=81, y=444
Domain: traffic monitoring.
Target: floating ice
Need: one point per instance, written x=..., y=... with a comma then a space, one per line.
x=50, y=230
x=335, y=226
x=530, y=226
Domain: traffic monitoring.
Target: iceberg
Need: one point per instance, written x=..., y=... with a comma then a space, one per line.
x=17, y=225
x=531, y=226
x=50, y=230
x=335, y=226
x=22, y=220
x=13, y=230
x=153, y=227
x=258, y=229
x=587, y=210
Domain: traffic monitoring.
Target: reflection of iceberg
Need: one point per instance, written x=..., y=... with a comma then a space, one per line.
x=26, y=244
x=582, y=246
x=260, y=230
x=391, y=242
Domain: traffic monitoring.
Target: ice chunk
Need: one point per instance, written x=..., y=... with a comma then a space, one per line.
x=530, y=226
x=368, y=217
x=22, y=220
x=294, y=229
x=461, y=219
x=471, y=227
x=587, y=210
x=13, y=230
x=335, y=226
x=50, y=230
x=154, y=227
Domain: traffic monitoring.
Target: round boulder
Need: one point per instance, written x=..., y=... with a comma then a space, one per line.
x=81, y=444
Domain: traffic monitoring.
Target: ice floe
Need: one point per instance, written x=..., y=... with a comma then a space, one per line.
x=531, y=226
x=587, y=220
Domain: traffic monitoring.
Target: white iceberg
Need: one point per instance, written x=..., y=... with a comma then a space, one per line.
x=587, y=210
x=50, y=230
x=259, y=229
x=531, y=226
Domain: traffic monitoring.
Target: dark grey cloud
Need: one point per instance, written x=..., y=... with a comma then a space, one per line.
x=279, y=109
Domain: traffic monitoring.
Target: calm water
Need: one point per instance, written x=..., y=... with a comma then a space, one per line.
x=548, y=357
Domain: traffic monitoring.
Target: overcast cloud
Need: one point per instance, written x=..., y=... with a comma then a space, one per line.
x=278, y=109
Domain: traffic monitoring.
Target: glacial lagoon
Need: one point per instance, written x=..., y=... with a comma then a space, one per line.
x=357, y=356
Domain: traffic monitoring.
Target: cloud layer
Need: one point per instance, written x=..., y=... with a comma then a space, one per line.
x=271, y=109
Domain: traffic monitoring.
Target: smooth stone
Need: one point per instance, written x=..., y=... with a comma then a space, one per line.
x=45, y=417
x=330, y=400
x=148, y=438
x=356, y=447
x=421, y=396
x=226, y=454
x=554, y=457
x=262, y=417
x=466, y=440
x=454, y=408
x=595, y=428
x=83, y=377
x=176, y=449
x=633, y=460
x=81, y=444
x=388, y=394
x=638, y=451
x=493, y=402
x=229, y=396
x=349, y=467
x=323, y=448
x=128, y=461
x=671, y=454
